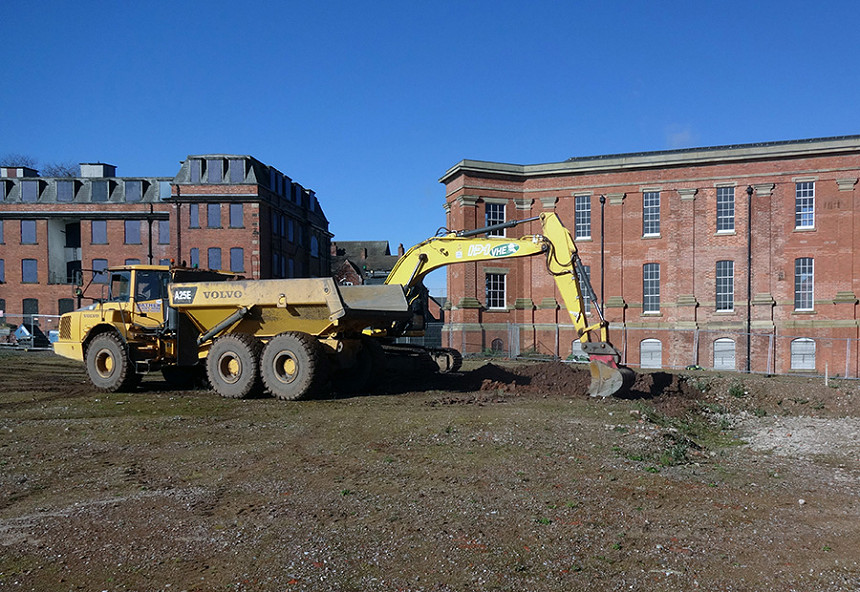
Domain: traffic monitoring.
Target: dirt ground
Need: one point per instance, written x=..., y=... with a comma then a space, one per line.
x=504, y=477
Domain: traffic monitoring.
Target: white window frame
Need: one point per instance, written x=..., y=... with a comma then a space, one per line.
x=804, y=204
x=804, y=284
x=651, y=288
x=650, y=213
x=496, y=291
x=582, y=216
x=725, y=209
x=725, y=286
x=494, y=213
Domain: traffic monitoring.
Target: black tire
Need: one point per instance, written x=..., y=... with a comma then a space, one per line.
x=109, y=365
x=233, y=366
x=294, y=366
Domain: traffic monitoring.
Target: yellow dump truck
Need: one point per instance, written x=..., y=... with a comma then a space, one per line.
x=289, y=337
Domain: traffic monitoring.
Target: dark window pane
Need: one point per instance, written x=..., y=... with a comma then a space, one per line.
x=28, y=232
x=214, y=256
x=29, y=191
x=99, y=231
x=65, y=190
x=99, y=191
x=29, y=271
x=133, y=191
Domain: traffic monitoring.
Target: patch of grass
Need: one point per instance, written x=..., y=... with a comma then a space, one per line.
x=737, y=390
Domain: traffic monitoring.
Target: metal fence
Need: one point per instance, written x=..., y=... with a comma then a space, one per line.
x=30, y=331
x=668, y=348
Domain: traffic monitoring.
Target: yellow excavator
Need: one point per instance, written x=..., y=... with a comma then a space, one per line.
x=608, y=376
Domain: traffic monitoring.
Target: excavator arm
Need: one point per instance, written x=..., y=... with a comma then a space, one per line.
x=562, y=262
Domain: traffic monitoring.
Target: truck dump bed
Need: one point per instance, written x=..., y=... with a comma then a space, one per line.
x=317, y=306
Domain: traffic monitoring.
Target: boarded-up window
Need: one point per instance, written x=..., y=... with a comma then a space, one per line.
x=651, y=353
x=724, y=354
x=803, y=354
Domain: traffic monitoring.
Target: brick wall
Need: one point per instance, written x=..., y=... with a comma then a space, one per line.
x=687, y=247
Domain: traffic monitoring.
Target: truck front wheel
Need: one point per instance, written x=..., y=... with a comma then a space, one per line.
x=233, y=365
x=108, y=364
x=293, y=366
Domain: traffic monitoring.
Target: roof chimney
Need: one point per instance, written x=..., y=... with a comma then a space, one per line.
x=97, y=170
x=400, y=250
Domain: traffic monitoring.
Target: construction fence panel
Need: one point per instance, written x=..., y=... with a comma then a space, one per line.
x=30, y=331
x=672, y=348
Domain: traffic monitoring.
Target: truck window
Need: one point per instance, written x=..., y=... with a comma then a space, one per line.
x=151, y=285
x=120, y=282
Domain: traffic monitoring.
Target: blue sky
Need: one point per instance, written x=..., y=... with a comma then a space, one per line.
x=369, y=103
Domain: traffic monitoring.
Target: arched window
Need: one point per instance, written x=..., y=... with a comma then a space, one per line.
x=497, y=345
x=650, y=353
x=803, y=354
x=724, y=354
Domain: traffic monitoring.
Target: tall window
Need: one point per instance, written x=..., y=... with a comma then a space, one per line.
x=195, y=168
x=99, y=191
x=650, y=353
x=214, y=257
x=133, y=191
x=28, y=232
x=237, y=259
x=725, y=209
x=214, y=170
x=651, y=287
x=213, y=215
x=100, y=265
x=582, y=216
x=29, y=271
x=1, y=233
x=803, y=354
x=164, y=232
x=495, y=214
x=2, y=270
x=194, y=215
x=29, y=191
x=65, y=190
x=98, y=229
x=495, y=290
x=804, y=204
x=194, y=257
x=584, y=283
x=724, y=354
x=132, y=232
x=804, y=280
x=30, y=307
x=725, y=285
x=236, y=220
x=237, y=170
x=651, y=213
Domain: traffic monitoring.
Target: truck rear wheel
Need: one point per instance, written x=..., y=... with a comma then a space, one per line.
x=293, y=366
x=108, y=364
x=233, y=365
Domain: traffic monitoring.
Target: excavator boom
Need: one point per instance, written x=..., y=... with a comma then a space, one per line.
x=608, y=377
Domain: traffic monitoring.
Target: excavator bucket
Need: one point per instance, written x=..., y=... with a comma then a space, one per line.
x=608, y=380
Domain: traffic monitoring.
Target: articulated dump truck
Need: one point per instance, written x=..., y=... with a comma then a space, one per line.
x=293, y=337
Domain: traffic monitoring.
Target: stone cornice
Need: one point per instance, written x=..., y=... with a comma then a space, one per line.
x=662, y=158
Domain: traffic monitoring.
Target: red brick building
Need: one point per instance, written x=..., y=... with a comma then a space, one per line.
x=686, y=277
x=220, y=211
